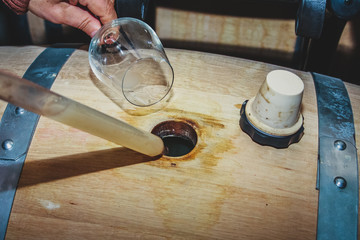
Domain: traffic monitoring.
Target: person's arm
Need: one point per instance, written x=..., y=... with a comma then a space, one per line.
x=18, y=6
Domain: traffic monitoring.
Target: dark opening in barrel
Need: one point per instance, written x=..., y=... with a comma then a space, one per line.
x=179, y=137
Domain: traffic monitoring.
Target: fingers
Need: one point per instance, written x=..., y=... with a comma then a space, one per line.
x=73, y=2
x=104, y=9
x=67, y=12
x=80, y=18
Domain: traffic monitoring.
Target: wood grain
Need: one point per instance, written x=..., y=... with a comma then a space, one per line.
x=77, y=186
x=243, y=35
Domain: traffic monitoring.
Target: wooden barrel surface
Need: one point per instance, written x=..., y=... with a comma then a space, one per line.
x=77, y=186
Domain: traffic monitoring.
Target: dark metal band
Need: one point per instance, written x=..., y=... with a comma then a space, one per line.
x=17, y=127
x=345, y=9
x=310, y=18
x=337, y=179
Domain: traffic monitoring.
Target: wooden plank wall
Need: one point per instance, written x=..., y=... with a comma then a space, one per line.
x=263, y=32
x=238, y=36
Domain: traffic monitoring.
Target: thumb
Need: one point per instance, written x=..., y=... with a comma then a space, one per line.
x=79, y=18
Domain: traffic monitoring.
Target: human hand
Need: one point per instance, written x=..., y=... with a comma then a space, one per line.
x=76, y=13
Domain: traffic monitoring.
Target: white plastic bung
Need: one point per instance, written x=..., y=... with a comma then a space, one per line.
x=276, y=107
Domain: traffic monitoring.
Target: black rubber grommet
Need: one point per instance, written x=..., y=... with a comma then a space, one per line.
x=266, y=139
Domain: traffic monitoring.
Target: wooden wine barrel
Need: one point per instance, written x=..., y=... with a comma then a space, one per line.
x=77, y=186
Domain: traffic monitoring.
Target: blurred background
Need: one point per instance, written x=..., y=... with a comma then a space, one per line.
x=261, y=30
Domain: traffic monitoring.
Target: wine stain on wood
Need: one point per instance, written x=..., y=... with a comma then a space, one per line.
x=238, y=106
x=189, y=204
x=194, y=190
x=193, y=187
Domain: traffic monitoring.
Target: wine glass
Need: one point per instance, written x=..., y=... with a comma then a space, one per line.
x=127, y=55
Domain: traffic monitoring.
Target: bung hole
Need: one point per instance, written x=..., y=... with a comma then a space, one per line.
x=179, y=137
